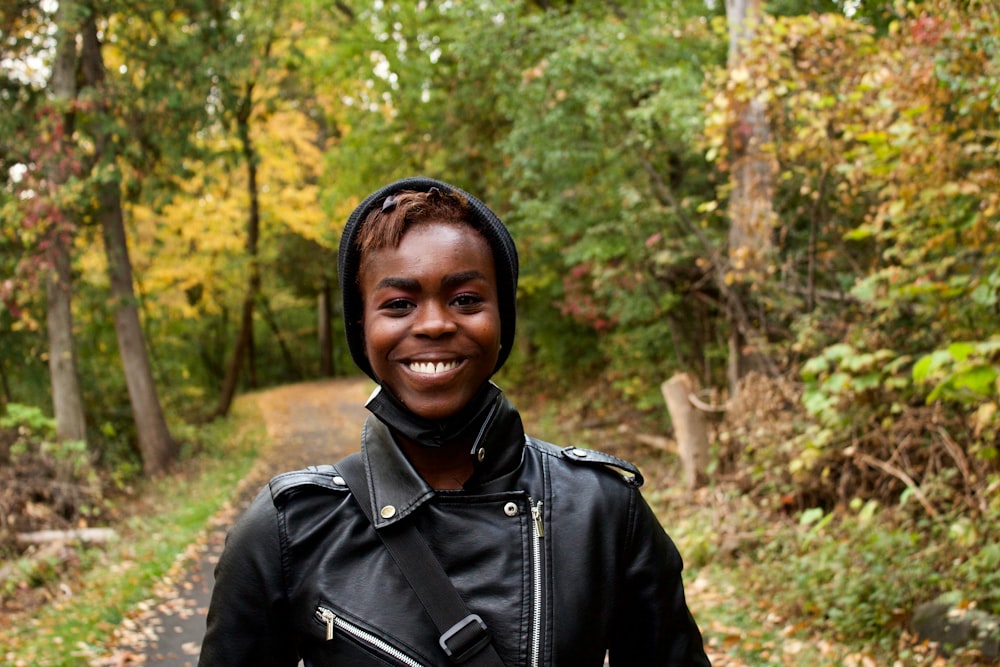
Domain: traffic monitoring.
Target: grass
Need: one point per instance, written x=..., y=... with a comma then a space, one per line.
x=110, y=580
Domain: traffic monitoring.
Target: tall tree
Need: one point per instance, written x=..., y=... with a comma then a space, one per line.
x=751, y=207
x=157, y=446
x=39, y=220
x=243, y=351
x=266, y=47
x=67, y=401
x=256, y=33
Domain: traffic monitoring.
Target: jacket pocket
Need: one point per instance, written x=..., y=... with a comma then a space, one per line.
x=337, y=625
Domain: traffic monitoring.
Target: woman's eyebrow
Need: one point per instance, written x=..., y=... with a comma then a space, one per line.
x=406, y=284
x=412, y=285
x=462, y=277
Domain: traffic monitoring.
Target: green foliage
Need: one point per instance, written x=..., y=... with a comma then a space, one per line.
x=962, y=372
x=36, y=438
x=613, y=108
x=29, y=422
x=847, y=579
x=863, y=583
x=884, y=296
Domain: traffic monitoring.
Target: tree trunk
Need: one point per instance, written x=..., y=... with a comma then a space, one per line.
x=690, y=428
x=244, y=340
x=751, y=203
x=325, y=330
x=291, y=368
x=67, y=401
x=157, y=447
x=5, y=396
x=228, y=391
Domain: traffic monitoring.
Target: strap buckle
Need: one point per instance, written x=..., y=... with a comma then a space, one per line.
x=464, y=639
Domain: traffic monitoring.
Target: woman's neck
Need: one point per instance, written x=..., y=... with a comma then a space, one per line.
x=438, y=450
x=445, y=468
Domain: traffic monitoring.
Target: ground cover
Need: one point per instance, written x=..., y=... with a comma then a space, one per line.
x=776, y=582
x=62, y=613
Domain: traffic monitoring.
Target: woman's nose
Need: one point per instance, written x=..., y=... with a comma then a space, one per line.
x=433, y=320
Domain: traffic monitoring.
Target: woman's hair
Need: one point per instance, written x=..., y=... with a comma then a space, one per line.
x=385, y=225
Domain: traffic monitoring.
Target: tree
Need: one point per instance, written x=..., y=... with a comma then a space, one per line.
x=67, y=401
x=751, y=208
x=157, y=446
x=887, y=274
x=243, y=352
x=54, y=166
x=276, y=44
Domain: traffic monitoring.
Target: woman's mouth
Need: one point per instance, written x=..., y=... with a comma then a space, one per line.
x=432, y=367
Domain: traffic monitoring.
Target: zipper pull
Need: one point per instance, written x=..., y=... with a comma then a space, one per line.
x=536, y=514
x=327, y=617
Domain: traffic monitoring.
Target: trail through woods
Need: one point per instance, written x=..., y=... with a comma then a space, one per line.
x=307, y=424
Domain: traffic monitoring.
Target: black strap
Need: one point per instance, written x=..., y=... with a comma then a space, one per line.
x=464, y=636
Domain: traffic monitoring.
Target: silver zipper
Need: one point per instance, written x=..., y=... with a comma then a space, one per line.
x=536, y=577
x=332, y=621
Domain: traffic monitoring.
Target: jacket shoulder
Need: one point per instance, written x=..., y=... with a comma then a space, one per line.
x=592, y=459
x=314, y=477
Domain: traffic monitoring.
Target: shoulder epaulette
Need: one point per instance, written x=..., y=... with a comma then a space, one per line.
x=324, y=476
x=629, y=472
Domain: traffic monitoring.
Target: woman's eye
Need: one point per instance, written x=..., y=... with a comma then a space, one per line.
x=465, y=300
x=397, y=304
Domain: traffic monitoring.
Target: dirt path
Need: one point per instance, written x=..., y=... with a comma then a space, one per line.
x=307, y=424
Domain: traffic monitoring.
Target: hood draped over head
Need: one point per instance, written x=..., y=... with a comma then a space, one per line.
x=481, y=218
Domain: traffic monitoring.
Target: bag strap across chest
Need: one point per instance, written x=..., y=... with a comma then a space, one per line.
x=464, y=636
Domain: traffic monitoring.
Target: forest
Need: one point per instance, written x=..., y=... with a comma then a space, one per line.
x=795, y=203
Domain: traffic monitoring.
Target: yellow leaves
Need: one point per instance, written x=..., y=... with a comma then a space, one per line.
x=291, y=163
x=536, y=72
x=190, y=254
x=739, y=75
x=985, y=415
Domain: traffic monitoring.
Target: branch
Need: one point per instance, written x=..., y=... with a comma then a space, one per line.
x=81, y=534
x=828, y=295
x=892, y=470
x=665, y=196
x=706, y=407
x=345, y=10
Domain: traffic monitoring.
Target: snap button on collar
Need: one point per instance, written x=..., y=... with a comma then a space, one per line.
x=388, y=512
x=510, y=509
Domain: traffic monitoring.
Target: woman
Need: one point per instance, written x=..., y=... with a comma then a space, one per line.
x=554, y=552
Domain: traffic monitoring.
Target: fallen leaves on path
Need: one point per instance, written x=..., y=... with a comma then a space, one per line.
x=307, y=424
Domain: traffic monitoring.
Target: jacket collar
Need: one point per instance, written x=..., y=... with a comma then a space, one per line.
x=396, y=487
x=432, y=432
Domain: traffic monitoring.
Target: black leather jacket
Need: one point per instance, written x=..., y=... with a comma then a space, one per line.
x=554, y=548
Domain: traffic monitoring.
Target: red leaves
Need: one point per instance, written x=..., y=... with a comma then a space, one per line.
x=927, y=30
x=579, y=302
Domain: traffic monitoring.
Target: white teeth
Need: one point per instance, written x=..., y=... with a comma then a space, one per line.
x=430, y=368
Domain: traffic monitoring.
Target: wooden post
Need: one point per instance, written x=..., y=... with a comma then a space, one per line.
x=690, y=428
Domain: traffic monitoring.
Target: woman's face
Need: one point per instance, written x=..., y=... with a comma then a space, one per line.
x=431, y=318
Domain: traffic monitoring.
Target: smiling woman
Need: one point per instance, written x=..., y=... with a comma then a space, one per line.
x=431, y=319
x=452, y=537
